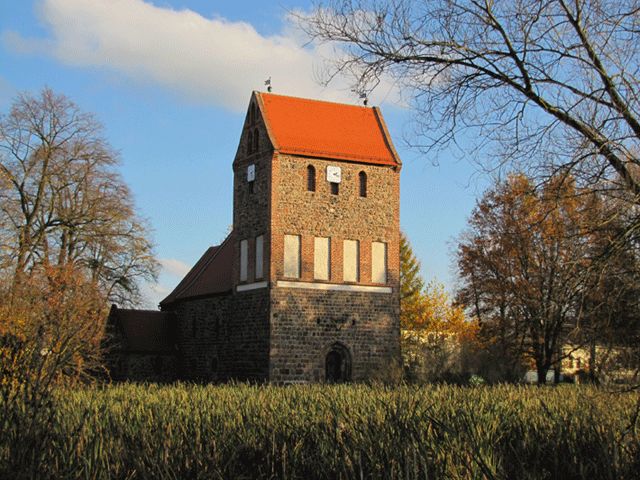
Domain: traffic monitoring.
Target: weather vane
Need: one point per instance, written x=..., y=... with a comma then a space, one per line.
x=362, y=95
x=267, y=82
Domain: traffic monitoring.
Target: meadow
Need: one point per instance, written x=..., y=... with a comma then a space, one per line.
x=346, y=431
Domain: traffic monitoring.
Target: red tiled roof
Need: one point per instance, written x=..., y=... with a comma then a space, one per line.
x=145, y=330
x=315, y=128
x=211, y=274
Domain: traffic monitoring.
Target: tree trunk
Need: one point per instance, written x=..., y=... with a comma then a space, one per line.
x=542, y=374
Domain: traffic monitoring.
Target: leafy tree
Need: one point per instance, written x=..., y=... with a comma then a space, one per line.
x=62, y=203
x=527, y=268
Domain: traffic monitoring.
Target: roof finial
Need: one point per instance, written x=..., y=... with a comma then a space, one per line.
x=362, y=95
x=267, y=82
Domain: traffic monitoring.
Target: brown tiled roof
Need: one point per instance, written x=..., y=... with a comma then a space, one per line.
x=329, y=130
x=145, y=331
x=210, y=275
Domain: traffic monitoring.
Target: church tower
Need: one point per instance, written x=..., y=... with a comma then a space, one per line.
x=316, y=238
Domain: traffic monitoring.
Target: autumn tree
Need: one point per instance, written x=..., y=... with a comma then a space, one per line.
x=527, y=267
x=50, y=335
x=433, y=330
x=62, y=202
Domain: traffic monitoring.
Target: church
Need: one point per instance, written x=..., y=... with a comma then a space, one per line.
x=306, y=286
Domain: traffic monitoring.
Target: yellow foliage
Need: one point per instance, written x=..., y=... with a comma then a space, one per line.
x=433, y=312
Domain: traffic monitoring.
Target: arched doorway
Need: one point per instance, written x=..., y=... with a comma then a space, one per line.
x=337, y=365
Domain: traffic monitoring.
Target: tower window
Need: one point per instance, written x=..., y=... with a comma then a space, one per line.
x=311, y=178
x=259, y=256
x=256, y=140
x=253, y=114
x=244, y=260
x=335, y=188
x=362, y=177
x=292, y=256
x=379, y=262
x=250, y=142
x=351, y=260
x=321, y=258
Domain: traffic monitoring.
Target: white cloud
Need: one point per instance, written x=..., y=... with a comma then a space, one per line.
x=174, y=267
x=209, y=59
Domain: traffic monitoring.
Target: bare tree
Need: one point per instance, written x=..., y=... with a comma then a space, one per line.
x=552, y=83
x=62, y=203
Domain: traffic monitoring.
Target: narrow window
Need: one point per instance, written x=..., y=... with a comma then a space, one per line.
x=321, y=258
x=251, y=114
x=244, y=260
x=335, y=188
x=362, y=177
x=311, y=178
x=259, y=255
x=256, y=140
x=250, y=143
x=251, y=188
x=351, y=260
x=379, y=262
x=292, y=256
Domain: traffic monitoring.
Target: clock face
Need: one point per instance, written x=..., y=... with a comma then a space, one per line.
x=251, y=173
x=334, y=174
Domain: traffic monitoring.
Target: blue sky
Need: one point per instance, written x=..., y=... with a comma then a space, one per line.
x=170, y=81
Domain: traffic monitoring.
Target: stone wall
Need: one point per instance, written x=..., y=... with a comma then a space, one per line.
x=202, y=327
x=247, y=345
x=224, y=337
x=306, y=323
x=146, y=367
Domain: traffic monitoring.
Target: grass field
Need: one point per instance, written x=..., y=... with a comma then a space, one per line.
x=241, y=431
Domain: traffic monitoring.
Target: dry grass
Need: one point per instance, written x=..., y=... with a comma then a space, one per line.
x=241, y=431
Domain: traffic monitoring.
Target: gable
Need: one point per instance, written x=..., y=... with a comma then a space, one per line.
x=314, y=128
x=211, y=275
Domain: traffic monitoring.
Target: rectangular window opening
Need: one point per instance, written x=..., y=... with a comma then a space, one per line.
x=322, y=258
x=351, y=260
x=379, y=262
x=292, y=256
x=244, y=260
x=335, y=188
x=259, y=256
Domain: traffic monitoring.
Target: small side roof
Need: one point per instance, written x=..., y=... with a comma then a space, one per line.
x=212, y=274
x=316, y=128
x=144, y=331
